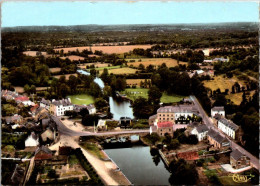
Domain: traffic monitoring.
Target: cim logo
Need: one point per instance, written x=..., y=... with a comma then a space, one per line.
x=241, y=178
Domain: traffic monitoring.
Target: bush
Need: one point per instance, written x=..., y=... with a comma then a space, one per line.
x=200, y=162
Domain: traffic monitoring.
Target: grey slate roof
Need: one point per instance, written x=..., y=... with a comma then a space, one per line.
x=218, y=108
x=229, y=124
x=153, y=117
x=216, y=136
x=236, y=154
x=179, y=108
x=217, y=116
x=202, y=128
x=64, y=102
x=45, y=102
x=43, y=148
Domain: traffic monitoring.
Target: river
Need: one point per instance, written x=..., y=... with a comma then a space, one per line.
x=118, y=109
x=139, y=166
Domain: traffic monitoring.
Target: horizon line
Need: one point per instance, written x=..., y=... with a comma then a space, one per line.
x=130, y=24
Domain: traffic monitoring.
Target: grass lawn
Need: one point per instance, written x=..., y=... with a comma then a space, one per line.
x=143, y=92
x=81, y=99
x=93, y=149
x=222, y=83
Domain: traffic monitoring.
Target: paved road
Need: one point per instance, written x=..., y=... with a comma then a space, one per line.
x=66, y=131
x=208, y=122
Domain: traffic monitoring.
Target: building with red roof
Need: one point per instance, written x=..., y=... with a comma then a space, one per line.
x=163, y=127
x=24, y=99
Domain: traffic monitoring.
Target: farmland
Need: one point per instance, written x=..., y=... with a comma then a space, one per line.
x=135, y=81
x=133, y=93
x=81, y=99
x=155, y=61
x=117, y=70
x=53, y=70
x=106, y=49
x=73, y=58
x=97, y=65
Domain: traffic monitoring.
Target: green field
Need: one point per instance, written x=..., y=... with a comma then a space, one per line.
x=134, y=93
x=81, y=99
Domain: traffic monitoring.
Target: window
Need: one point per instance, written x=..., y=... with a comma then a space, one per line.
x=238, y=162
x=161, y=129
x=169, y=129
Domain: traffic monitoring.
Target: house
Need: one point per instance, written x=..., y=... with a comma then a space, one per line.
x=59, y=107
x=32, y=140
x=125, y=122
x=216, y=118
x=188, y=156
x=102, y=124
x=177, y=114
x=43, y=153
x=200, y=131
x=45, y=103
x=229, y=128
x=161, y=128
x=215, y=139
x=152, y=119
x=25, y=100
x=41, y=113
x=218, y=110
x=34, y=109
x=238, y=160
x=220, y=60
x=9, y=95
x=15, y=119
x=91, y=108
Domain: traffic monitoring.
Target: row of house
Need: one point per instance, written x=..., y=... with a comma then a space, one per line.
x=216, y=60
x=173, y=114
x=19, y=99
x=58, y=107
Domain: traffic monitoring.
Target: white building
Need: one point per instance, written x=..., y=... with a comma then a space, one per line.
x=91, y=108
x=32, y=140
x=25, y=100
x=45, y=103
x=228, y=127
x=218, y=110
x=59, y=107
x=201, y=132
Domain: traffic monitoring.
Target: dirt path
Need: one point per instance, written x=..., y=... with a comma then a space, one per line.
x=105, y=169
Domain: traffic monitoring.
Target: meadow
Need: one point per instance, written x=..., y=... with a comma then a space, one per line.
x=134, y=93
x=80, y=99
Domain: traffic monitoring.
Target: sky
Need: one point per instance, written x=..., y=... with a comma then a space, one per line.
x=31, y=13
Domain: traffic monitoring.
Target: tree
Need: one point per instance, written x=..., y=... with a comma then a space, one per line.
x=83, y=112
x=100, y=103
x=90, y=120
x=192, y=139
x=33, y=89
x=64, y=90
x=154, y=137
x=95, y=90
x=27, y=89
x=72, y=82
x=154, y=95
x=142, y=108
x=52, y=173
x=182, y=173
x=71, y=113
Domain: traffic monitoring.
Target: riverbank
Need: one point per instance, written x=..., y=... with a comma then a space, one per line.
x=106, y=169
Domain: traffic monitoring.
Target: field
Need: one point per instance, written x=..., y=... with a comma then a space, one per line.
x=66, y=75
x=97, y=65
x=237, y=97
x=53, y=70
x=155, y=61
x=33, y=53
x=106, y=49
x=135, y=81
x=81, y=99
x=73, y=58
x=222, y=83
x=134, y=93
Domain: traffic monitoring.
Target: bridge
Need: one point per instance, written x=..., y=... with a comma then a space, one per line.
x=68, y=132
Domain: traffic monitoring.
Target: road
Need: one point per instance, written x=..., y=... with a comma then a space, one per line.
x=68, y=132
x=208, y=122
